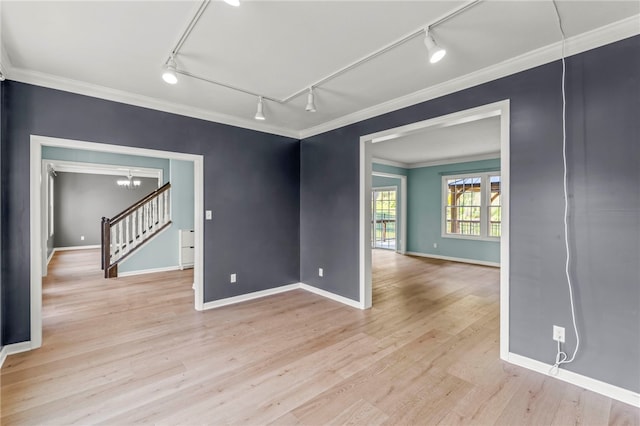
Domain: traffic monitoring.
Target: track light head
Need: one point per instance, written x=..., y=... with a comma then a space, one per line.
x=259, y=113
x=169, y=74
x=311, y=106
x=234, y=3
x=435, y=52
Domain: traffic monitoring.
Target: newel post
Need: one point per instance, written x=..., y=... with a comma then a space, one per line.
x=106, y=245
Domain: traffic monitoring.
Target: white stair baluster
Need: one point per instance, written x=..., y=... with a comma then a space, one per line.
x=120, y=239
x=139, y=237
x=127, y=234
x=112, y=244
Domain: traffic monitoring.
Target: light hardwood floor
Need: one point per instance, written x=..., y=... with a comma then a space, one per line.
x=134, y=350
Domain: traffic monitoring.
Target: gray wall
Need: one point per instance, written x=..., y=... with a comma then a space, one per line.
x=81, y=200
x=251, y=182
x=604, y=160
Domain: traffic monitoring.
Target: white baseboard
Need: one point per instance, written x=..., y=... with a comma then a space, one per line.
x=51, y=256
x=95, y=246
x=332, y=296
x=455, y=259
x=149, y=271
x=606, y=389
x=263, y=293
x=14, y=348
x=250, y=296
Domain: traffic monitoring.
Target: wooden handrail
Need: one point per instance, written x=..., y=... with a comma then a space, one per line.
x=133, y=227
x=117, y=218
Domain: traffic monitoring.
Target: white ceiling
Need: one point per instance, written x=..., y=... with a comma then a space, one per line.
x=436, y=145
x=116, y=49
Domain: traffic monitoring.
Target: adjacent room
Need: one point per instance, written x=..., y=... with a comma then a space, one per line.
x=309, y=212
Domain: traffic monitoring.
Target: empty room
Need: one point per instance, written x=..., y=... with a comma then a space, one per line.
x=320, y=212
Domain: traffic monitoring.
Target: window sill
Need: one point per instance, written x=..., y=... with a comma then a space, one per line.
x=471, y=237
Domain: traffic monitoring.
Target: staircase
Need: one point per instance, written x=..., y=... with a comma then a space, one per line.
x=132, y=228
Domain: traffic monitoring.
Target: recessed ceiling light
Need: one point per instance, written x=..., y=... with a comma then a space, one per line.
x=234, y=3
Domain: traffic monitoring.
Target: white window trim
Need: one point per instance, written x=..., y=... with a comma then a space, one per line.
x=484, y=207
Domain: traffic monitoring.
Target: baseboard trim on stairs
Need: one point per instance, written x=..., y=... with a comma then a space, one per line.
x=149, y=271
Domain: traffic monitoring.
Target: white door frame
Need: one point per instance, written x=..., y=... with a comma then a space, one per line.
x=35, y=183
x=500, y=109
x=402, y=247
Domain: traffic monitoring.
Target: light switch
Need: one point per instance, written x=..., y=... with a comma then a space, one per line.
x=208, y=214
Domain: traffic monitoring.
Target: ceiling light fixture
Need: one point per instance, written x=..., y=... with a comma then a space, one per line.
x=436, y=53
x=259, y=114
x=311, y=106
x=129, y=182
x=169, y=74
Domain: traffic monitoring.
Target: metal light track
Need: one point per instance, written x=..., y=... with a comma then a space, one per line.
x=410, y=36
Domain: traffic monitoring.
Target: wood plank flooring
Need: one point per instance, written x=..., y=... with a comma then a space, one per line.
x=133, y=350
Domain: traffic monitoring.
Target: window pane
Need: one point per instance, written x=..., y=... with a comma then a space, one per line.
x=466, y=210
x=463, y=220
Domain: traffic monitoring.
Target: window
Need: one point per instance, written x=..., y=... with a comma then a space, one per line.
x=472, y=206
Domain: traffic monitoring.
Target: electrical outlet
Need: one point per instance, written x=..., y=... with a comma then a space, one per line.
x=208, y=214
x=558, y=334
x=320, y=272
x=233, y=278
x=81, y=237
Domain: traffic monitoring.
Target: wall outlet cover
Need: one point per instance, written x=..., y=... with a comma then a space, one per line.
x=558, y=334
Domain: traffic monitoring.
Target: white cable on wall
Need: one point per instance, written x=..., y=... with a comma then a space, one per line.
x=561, y=356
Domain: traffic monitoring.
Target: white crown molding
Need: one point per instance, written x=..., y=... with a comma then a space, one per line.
x=607, y=34
x=102, y=169
x=440, y=162
x=455, y=160
x=613, y=32
x=74, y=86
x=389, y=163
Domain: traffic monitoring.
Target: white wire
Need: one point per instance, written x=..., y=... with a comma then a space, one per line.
x=561, y=357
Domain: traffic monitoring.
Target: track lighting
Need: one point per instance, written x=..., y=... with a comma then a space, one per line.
x=435, y=52
x=259, y=115
x=311, y=106
x=235, y=3
x=169, y=74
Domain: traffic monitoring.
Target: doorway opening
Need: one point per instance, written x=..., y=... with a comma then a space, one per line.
x=499, y=110
x=38, y=181
x=384, y=213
